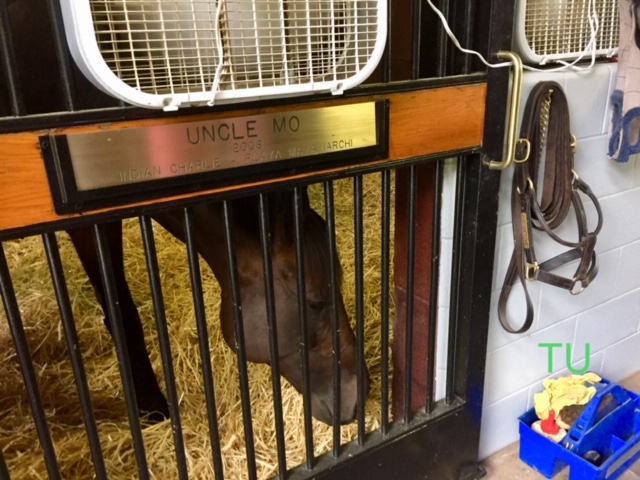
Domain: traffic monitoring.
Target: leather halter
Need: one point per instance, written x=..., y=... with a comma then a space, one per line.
x=545, y=135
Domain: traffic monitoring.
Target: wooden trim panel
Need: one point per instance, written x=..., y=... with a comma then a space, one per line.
x=420, y=122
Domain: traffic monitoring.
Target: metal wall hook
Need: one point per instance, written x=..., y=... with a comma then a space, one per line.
x=514, y=107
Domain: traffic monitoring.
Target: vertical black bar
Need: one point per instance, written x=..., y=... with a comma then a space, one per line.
x=73, y=346
x=454, y=14
x=455, y=280
x=443, y=42
x=416, y=15
x=265, y=241
x=359, y=248
x=62, y=53
x=476, y=250
x=9, y=66
x=165, y=346
x=477, y=253
x=411, y=256
x=499, y=17
x=302, y=313
x=434, y=285
x=468, y=18
x=26, y=367
x=117, y=332
x=385, y=270
x=4, y=471
x=335, y=321
x=386, y=56
x=240, y=344
x=203, y=343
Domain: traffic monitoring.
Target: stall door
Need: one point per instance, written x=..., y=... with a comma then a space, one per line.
x=434, y=117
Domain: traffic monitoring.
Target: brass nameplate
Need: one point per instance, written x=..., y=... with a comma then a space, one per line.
x=130, y=155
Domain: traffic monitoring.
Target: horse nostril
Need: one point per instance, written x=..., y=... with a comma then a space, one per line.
x=352, y=417
x=321, y=410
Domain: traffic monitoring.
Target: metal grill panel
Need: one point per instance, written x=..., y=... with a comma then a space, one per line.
x=561, y=29
x=274, y=455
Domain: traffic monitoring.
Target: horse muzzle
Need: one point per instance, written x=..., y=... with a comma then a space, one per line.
x=322, y=407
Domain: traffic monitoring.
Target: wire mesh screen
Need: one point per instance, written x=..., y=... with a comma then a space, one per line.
x=562, y=29
x=155, y=49
x=162, y=47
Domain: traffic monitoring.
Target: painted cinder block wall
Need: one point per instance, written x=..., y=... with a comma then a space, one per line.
x=607, y=314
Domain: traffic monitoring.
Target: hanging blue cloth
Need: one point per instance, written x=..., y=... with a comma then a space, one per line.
x=624, y=132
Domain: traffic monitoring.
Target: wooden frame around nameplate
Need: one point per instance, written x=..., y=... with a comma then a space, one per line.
x=421, y=122
x=91, y=170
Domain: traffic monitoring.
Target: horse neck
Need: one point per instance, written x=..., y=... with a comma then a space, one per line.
x=209, y=230
x=208, y=234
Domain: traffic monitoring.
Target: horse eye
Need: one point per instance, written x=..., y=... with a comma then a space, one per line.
x=316, y=305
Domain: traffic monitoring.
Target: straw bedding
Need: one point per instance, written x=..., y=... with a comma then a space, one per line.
x=18, y=438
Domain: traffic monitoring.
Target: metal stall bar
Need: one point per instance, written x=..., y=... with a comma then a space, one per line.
x=385, y=62
x=240, y=343
x=442, y=43
x=26, y=367
x=73, y=346
x=416, y=34
x=359, y=271
x=203, y=343
x=411, y=256
x=385, y=270
x=329, y=206
x=456, y=265
x=62, y=54
x=265, y=241
x=165, y=346
x=304, y=331
x=119, y=338
x=442, y=52
x=10, y=70
x=467, y=19
x=434, y=287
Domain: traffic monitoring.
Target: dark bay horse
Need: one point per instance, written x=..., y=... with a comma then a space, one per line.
x=210, y=243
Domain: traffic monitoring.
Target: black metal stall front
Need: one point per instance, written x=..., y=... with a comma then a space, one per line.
x=438, y=438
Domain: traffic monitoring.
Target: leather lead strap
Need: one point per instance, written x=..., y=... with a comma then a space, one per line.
x=545, y=135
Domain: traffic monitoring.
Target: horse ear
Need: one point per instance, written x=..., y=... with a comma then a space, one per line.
x=283, y=225
x=305, y=199
x=283, y=233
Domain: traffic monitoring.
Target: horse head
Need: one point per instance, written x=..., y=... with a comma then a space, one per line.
x=318, y=305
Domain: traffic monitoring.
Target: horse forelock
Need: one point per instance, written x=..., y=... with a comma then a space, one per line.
x=281, y=223
x=316, y=253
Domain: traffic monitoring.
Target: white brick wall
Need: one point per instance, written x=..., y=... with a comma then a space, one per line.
x=607, y=314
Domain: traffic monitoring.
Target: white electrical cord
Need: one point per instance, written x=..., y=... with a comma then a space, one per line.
x=216, y=78
x=591, y=46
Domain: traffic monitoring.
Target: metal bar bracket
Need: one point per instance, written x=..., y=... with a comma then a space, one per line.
x=514, y=108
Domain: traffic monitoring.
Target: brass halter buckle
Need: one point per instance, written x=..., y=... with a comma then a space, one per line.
x=527, y=150
x=573, y=290
x=531, y=271
x=575, y=179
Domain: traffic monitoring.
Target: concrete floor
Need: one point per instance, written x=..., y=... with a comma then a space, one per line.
x=507, y=465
